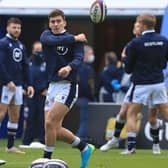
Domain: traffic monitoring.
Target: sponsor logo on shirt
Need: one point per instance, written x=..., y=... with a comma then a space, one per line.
x=153, y=43
x=61, y=50
x=17, y=54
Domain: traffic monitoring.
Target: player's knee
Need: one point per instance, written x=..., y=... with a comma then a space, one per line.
x=2, y=115
x=123, y=111
x=59, y=132
x=164, y=113
x=166, y=117
x=49, y=124
x=123, y=115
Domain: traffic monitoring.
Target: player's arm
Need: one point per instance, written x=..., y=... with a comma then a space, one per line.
x=27, y=76
x=123, y=53
x=78, y=53
x=48, y=38
x=3, y=68
x=75, y=63
x=130, y=58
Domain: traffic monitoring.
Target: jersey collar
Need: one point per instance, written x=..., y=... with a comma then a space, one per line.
x=9, y=36
x=148, y=31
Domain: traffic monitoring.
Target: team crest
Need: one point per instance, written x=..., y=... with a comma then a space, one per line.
x=17, y=54
x=61, y=50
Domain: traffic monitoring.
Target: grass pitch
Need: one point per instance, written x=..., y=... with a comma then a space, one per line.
x=111, y=159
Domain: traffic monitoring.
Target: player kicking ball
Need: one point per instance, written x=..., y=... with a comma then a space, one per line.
x=63, y=53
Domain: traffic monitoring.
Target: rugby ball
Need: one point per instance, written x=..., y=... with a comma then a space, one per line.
x=55, y=163
x=38, y=163
x=98, y=11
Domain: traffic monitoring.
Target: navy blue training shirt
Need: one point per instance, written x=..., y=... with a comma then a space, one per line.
x=146, y=57
x=61, y=50
x=13, y=62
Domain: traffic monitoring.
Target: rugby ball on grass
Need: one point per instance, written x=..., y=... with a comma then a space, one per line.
x=55, y=163
x=98, y=11
x=38, y=163
x=48, y=163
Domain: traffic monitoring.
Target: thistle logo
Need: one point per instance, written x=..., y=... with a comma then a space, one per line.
x=17, y=55
x=61, y=50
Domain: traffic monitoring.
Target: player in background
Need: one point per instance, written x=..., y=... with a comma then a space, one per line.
x=34, y=129
x=63, y=54
x=146, y=57
x=86, y=81
x=122, y=115
x=14, y=70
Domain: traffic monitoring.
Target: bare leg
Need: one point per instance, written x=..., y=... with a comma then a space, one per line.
x=12, y=126
x=152, y=115
x=120, y=122
x=154, y=130
x=54, y=130
x=132, y=112
x=163, y=109
x=53, y=123
x=3, y=111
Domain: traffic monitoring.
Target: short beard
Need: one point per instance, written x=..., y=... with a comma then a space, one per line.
x=14, y=37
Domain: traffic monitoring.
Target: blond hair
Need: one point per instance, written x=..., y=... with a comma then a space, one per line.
x=147, y=19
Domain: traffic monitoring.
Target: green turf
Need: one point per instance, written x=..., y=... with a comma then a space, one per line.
x=111, y=159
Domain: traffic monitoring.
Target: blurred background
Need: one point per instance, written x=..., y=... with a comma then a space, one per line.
x=112, y=34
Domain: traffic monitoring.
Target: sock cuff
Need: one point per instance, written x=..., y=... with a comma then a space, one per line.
x=11, y=125
x=49, y=148
x=131, y=134
x=76, y=141
x=120, y=120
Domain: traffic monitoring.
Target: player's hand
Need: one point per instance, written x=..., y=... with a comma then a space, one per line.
x=123, y=53
x=11, y=86
x=24, y=92
x=81, y=38
x=44, y=92
x=30, y=91
x=64, y=72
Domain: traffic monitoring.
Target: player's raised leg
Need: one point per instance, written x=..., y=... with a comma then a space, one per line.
x=120, y=122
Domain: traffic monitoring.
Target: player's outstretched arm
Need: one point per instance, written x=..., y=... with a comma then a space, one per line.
x=80, y=38
x=48, y=38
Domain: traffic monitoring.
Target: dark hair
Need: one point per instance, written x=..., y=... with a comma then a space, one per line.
x=56, y=12
x=111, y=56
x=14, y=20
x=147, y=19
